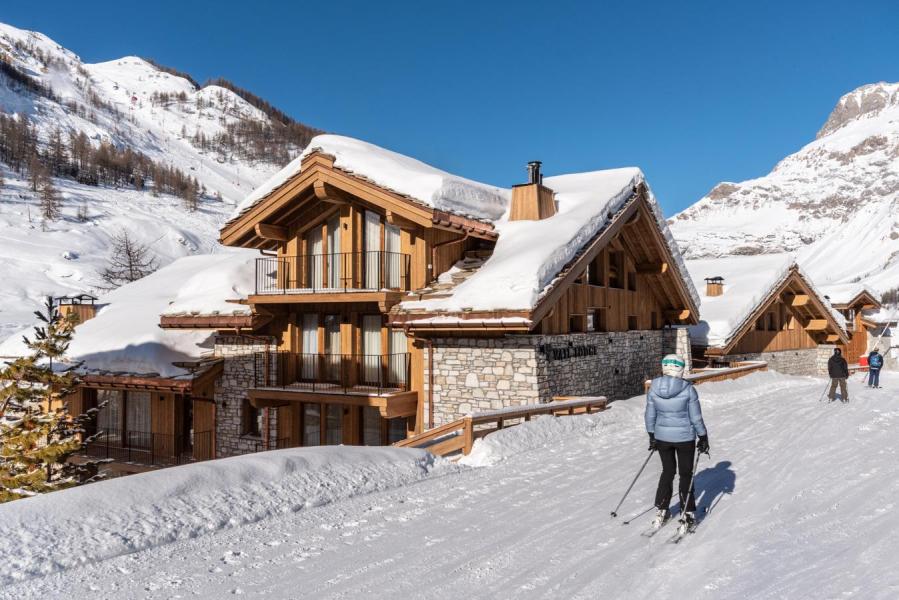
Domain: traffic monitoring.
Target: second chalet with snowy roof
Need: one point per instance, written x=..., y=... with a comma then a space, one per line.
x=392, y=297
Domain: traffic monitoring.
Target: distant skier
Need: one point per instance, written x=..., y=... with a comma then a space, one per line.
x=673, y=421
x=875, y=364
x=839, y=373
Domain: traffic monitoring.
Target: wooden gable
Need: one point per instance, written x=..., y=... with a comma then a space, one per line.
x=624, y=278
x=791, y=317
x=321, y=187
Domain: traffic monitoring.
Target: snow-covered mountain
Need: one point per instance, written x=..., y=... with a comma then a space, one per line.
x=128, y=103
x=835, y=202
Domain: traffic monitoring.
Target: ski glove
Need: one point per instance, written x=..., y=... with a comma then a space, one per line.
x=652, y=442
x=703, y=445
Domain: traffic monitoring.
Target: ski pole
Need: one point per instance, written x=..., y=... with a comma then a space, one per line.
x=630, y=487
x=686, y=501
x=827, y=385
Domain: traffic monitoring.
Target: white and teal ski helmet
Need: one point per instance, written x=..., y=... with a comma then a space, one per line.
x=673, y=366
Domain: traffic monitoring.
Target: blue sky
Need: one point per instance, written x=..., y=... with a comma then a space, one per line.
x=694, y=93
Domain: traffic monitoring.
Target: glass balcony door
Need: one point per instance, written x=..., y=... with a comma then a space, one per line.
x=315, y=264
x=371, y=349
x=372, y=257
x=392, y=259
x=308, y=366
x=335, y=264
x=397, y=348
x=332, y=349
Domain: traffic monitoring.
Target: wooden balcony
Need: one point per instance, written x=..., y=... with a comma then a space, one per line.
x=149, y=449
x=366, y=276
x=381, y=381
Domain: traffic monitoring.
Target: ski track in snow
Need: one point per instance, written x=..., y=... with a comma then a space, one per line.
x=801, y=499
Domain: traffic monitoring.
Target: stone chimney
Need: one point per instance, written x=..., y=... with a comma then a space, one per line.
x=714, y=286
x=532, y=201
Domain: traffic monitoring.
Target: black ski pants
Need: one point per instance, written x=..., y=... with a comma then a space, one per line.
x=676, y=458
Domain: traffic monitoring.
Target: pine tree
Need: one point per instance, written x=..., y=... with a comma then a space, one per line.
x=128, y=262
x=49, y=201
x=36, y=172
x=37, y=433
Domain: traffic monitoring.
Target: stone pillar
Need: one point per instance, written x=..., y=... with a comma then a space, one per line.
x=237, y=378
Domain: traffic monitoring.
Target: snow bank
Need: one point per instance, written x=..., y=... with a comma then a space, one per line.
x=394, y=171
x=91, y=523
x=748, y=280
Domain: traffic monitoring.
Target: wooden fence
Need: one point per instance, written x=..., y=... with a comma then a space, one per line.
x=735, y=371
x=459, y=435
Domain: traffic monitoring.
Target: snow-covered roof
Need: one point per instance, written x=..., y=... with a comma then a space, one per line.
x=391, y=170
x=748, y=281
x=844, y=293
x=125, y=338
x=530, y=254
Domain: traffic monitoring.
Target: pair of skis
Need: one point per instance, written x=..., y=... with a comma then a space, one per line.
x=683, y=529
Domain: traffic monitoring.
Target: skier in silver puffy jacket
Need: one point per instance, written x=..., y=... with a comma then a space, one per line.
x=673, y=421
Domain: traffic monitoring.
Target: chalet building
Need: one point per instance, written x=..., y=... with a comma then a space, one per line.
x=764, y=308
x=390, y=297
x=854, y=301
x=882, y=325
x=154, y=387
x=367, y=296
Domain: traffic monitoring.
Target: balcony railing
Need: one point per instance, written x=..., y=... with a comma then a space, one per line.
x=152, y=449
x=341, y=272
x=333, y=373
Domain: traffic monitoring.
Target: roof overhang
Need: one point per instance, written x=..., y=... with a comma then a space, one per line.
x=320, y=180
x=862, y=300
x=818, y=308
x=215, y=322
x=206, y=370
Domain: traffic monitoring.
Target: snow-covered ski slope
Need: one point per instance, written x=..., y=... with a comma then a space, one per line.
x=835, y=201
x=62, y=257
x=800, y=497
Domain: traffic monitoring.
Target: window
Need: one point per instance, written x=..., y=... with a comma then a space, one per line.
x=632, y=324
x=632, y=282
x=371, y=426
x=334, y=424
x=772, y=321
x=576, y=323
x=396, y=430
x=596, y=273
x=616, y=270
x=251, y=420
x=760, y=324
x=600, y=322
x=653, y=320
x=312, y=425
x=591, y=319
x=109, y=418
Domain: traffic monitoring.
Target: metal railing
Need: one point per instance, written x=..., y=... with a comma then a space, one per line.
x=335, y=373
x=147, y=448
x=339, y=272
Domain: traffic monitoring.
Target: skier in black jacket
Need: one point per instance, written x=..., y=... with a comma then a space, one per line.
x=839, y=373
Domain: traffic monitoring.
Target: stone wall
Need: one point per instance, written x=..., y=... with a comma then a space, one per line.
x=807, y=361
x=231, y=391
x=472, y=375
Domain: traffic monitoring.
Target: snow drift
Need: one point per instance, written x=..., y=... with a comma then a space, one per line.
x=81, y=525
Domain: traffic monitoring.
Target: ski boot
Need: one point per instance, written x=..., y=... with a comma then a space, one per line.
x=688, y=523
x=662, y=516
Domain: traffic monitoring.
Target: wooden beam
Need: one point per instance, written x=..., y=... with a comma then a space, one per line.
x=267, y=231
x=680, y=314
x=798, y=299
x=816, y=325
x=398, y=221
x=652, y=268
x=832, y=337
x=328, y=193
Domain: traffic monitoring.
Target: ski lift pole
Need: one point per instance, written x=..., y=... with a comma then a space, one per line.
x=631, y=486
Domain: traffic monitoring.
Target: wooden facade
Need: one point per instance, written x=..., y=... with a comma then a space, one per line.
x=791, y=317
x=853, y=311
x=328, y=230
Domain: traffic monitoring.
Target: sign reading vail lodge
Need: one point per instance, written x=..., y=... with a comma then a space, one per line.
x=569, y=351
